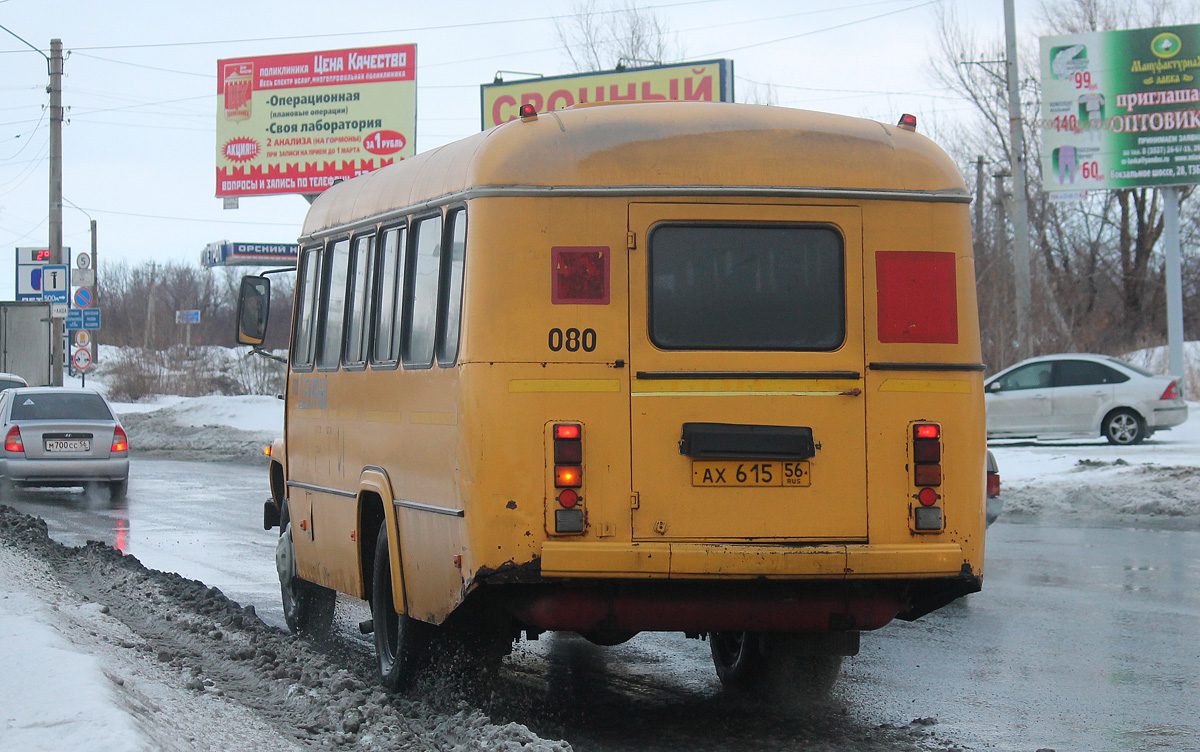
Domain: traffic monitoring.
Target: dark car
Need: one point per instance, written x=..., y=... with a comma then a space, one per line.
x=55, y=436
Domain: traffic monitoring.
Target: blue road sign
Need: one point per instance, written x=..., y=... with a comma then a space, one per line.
x=82, y=318
x=82, y=297
x=56, y=281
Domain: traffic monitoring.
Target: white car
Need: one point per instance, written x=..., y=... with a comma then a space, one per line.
x=1081, y=395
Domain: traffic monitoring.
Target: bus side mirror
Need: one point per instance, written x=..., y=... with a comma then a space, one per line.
x=254, y=305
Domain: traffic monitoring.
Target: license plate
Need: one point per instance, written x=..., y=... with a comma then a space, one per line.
x=726, y=473
x=68, y=445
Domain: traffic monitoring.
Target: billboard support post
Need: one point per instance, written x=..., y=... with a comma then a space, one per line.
x=1020, y=212
x=1174, y=270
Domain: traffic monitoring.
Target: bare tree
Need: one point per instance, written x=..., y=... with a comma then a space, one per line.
x=599, y=37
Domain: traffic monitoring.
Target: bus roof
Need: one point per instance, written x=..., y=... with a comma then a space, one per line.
x=655, y=148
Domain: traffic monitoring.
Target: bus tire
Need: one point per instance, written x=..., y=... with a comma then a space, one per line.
x=737, y=657
x=401, y=642
x=307, y=607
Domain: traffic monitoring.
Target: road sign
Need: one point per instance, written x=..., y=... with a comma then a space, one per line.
x=187, y=317
x=83, y=261
x=83, y=318
x=56, y=280
x=58, y=309
x=84, y=277
x=82, y=359
x=82, y=338
x=82, y=297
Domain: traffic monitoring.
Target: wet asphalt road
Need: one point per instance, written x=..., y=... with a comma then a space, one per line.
x=1084, y=638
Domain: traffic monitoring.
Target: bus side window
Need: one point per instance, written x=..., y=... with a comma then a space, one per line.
x=334, y=306
x=389, y=297
x=302, y=336
x=450, y=305
x=358, y=325
x=423, y=293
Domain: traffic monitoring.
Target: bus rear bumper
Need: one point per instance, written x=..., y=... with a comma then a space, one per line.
x=709, y=561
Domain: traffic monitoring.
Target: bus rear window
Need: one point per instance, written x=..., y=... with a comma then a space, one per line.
x=746, y=287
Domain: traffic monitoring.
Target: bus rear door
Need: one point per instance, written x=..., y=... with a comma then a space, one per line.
x=746, y=351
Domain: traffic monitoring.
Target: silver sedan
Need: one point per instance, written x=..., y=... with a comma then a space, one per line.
x=61, y=437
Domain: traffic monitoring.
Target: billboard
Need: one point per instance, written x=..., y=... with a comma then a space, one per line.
x=704, y=81
x=228, y=253
x=296, y=123
x=1121, y=109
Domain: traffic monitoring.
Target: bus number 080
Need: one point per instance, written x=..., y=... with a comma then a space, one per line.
x=572, y=340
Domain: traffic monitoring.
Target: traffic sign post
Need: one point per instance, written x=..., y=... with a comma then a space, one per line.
x=83, y=318
x=82, y=359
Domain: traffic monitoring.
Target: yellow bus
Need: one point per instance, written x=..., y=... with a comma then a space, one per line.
x=694, y=367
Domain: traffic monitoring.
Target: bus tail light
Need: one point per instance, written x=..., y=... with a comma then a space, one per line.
x=568, y=476
x=120, y=442
x=927, y=476
x=12, y=442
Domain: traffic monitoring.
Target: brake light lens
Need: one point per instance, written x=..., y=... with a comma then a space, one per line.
x=12, y=442
x=570, y=431
x=120, y=442
x=1171, y=392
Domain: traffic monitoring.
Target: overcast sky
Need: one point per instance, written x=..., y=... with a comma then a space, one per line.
x=140, y=85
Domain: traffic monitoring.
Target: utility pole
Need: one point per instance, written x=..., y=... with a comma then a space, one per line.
x=1020, y=218
x=978, y=207
x=95, y=344
x=56, y=232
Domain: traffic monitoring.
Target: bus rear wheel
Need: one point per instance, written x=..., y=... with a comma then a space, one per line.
x=307, y=607
x=780, y=664
x=402, y=644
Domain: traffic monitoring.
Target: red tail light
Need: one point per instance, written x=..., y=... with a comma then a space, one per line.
x=12, y=442
x=993, y=484
x=120, y=440
x=1171, y=393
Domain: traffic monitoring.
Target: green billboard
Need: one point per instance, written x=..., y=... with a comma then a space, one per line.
x=1121, y=109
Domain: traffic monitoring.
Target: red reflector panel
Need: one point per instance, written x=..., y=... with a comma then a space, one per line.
x=579, y=275
x=568, y=476
x=927, y=496
x=918, y=296
x=927, y=475
x=568, y=498
x=568, y=431
x=568, y=452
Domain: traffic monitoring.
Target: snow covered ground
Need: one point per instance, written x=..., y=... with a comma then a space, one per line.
x=71, y=679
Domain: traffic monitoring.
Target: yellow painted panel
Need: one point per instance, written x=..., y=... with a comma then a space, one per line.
x=934, y=560
x=564, y=385
x=925, y=385
x=698, y=559
x=745, y=386
x=434, y=419
x=605, y=559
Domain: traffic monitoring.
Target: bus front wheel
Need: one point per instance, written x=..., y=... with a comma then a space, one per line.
x=307, y=606
x=401, y=642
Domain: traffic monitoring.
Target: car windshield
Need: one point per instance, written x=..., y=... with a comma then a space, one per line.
x=60, y=406
x=9, y=384
x=1131, y=366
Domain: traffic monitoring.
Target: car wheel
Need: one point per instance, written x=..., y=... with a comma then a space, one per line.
x=1124, y=427
x=117, y=489
x=307, y=606
x=402, y=644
